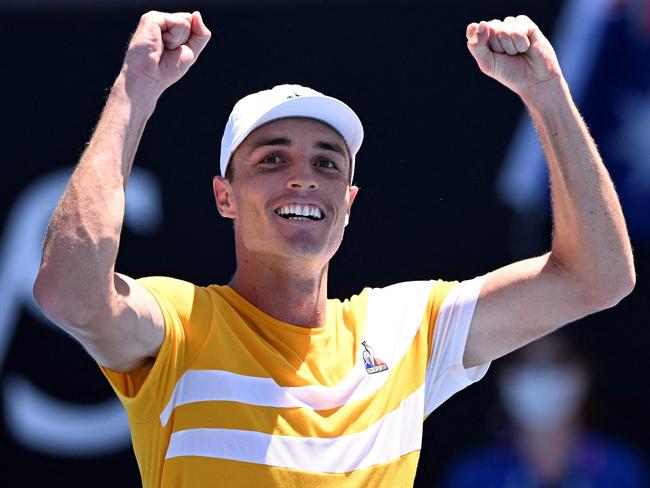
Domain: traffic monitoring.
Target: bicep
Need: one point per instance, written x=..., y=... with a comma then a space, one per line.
x=131, y=330
x=520, y=303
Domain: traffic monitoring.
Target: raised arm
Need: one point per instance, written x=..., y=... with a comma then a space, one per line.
x=115, y=318
x=590, y=265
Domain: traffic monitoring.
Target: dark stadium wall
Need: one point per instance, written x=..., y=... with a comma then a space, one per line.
x=436, y=134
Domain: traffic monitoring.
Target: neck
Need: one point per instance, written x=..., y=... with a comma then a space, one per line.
x=296, y=294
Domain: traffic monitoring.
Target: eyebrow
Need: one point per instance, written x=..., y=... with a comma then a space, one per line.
x=331, y=146
x=283, y=141
x=275, y=141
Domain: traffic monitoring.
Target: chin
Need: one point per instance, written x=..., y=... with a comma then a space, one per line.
x=308, y=250
x=304, y=245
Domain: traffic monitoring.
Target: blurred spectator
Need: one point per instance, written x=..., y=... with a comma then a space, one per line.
x=544, y=389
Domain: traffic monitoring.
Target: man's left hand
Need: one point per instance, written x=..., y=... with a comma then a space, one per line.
x=514, y=52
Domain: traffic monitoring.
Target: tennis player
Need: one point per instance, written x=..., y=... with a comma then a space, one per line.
x=265, y=381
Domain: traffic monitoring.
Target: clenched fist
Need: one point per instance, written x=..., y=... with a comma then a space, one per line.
x=514, y=52
x=163, y=48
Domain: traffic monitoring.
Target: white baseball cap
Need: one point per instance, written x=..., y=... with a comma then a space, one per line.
x=283, y=101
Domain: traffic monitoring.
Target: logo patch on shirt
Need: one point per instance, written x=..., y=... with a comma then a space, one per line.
x=372, y=363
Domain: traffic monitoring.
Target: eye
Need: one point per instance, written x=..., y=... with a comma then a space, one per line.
x=272, y=159
x=327, y=163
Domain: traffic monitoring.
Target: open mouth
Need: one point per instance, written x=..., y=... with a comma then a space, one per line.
x=300, y=212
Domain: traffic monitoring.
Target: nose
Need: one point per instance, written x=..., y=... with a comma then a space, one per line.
x=302, y=176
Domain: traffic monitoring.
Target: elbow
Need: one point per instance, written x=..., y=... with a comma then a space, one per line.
x=59, y=303
x=600, y=285
x=626, y=286
x=613, y=288
x=41, y=294
x=630, y=280
x=48, y=298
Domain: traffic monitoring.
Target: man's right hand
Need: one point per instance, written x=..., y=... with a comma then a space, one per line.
x=163, y=48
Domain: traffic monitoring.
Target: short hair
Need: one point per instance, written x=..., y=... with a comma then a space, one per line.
x=230, y=171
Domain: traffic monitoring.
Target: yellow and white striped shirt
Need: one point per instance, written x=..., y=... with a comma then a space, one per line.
x=238, y=398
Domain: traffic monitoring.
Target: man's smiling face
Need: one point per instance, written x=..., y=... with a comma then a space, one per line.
x=289, y=195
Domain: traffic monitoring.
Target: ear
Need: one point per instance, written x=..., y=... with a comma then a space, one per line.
x=223, y=197
x=352, y=194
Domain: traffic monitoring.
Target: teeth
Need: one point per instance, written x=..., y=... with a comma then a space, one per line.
x=300, y=212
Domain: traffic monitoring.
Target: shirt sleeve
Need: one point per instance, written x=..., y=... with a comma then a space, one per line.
x=144, y=391
x=445, y=374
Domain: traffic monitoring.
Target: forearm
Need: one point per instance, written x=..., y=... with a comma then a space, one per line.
x=83, y=236
x=590, y=239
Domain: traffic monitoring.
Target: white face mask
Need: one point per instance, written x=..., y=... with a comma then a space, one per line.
x=543, y=395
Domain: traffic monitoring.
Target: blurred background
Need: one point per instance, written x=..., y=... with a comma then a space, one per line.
x=452, y=181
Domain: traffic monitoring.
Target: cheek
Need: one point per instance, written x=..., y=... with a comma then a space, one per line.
x=252, y=215
x=247, y=212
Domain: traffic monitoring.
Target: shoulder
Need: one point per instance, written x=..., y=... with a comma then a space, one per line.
x=166, y=284
x=410, y=291
x=434, y=296
x=183, y=297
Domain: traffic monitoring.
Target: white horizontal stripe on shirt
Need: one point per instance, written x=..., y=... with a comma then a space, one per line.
x=394, y=435
x=395, y=314
x=218, y=385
